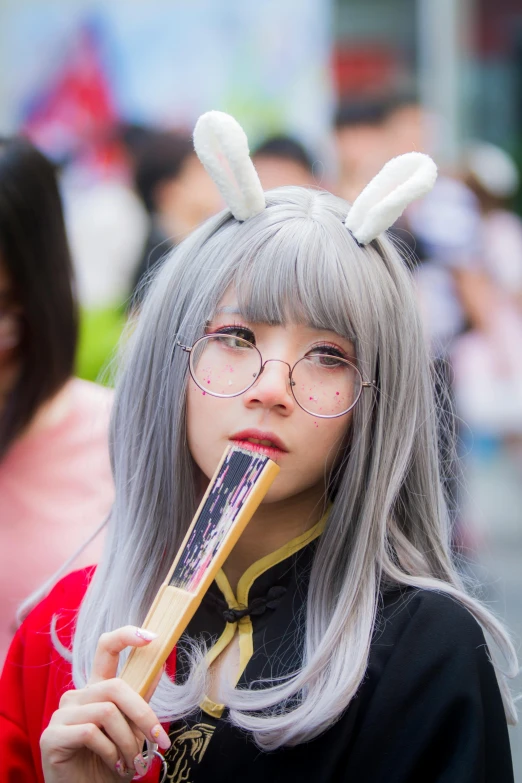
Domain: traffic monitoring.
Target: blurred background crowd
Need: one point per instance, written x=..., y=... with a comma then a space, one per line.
x=327, y=90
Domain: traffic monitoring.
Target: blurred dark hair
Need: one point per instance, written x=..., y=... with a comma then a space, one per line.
x=132, y=135
x=285, y=148
x=487, y=201
x=362, y=112
x=158, y=156
x=35, y=255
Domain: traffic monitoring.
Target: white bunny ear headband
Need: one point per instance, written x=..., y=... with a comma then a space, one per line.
x=222, y=147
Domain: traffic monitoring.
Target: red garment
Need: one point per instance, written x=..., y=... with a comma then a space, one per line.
x=34, y=678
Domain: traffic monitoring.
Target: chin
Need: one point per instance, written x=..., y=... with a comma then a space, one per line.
x=274, y=496
x=280, y=493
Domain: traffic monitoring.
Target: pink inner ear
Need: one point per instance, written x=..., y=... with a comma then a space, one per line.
x=227, y=169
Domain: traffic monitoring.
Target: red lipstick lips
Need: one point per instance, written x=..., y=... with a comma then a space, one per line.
x=262, y=442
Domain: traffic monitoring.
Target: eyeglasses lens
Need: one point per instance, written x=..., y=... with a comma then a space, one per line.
x=326, y=385
x=224, y=365
x=323, y=385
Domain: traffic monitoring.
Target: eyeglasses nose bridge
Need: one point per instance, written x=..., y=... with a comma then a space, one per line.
x=263, y=365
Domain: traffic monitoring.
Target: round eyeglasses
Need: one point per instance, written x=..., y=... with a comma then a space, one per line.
x=323, y=385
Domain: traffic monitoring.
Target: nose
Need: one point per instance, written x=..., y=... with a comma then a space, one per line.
x=272, y=388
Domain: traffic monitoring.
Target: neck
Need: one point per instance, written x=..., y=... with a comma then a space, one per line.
x=52, y=412
x=272, y=526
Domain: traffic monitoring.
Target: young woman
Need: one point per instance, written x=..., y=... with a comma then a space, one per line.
x=55, y=480
x=338, y=643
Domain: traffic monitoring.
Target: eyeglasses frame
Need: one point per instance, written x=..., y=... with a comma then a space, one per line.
x=189, y=350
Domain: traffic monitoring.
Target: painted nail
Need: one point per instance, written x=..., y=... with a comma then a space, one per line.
x=120, y=768
x=142, y=633
x=140, y=764
x=160, y=736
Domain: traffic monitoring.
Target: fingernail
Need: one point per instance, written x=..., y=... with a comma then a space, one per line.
x=160, y=736
x=140, y=764
x=120, y=768
x=142, y=633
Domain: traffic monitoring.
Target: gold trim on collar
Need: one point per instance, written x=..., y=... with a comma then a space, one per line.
x=211, y=708
x=268, y=561
x=244, y=627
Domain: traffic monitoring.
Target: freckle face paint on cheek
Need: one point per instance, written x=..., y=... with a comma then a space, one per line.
x=198, y=390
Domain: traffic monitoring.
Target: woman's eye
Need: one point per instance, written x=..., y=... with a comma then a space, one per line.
x=328, y=361
x=237, y=336
x=326, y=356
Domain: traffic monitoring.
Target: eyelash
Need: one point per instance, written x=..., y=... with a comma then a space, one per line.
x=330, y=350
x=326, y=348
x=230, y=328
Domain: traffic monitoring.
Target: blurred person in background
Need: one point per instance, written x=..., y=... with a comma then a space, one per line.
x=493, y=177
x=281, y=160
x=408, y=127
x=488, y=359
x=361, y=143
x=368, y=134
x=443, y=230
x=176, y=191
x=472, y=329
x=438, y=239
x=106, y=227
x=55, y=481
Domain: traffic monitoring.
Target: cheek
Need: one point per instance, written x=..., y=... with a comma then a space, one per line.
x=205, y=428
x=200, y=413
x=196, y=433
x=328, y=436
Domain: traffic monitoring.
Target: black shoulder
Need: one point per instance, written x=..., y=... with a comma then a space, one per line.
x=424, y=635
x=427, y=615
x=430, y=700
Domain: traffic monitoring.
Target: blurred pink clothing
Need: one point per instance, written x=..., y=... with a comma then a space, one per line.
x=55, y=489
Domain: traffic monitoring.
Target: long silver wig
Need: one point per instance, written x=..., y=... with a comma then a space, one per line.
x=294, y=261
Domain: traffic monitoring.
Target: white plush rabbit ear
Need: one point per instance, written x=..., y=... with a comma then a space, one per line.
x=222, y=147
x=384, y=199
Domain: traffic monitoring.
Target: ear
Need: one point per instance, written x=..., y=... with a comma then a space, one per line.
x=384, y=199
x=222, y=147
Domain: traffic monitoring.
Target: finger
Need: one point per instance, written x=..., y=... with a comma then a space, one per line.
x=130, y=703
x=139, y=762
x=108, y=717
x=111, y=644
x=59, y=744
